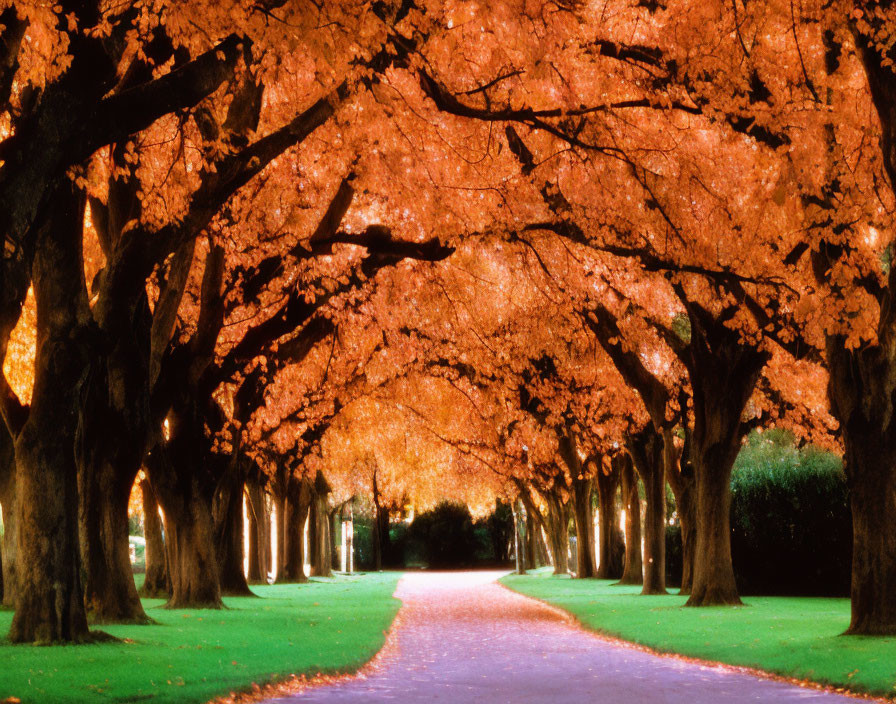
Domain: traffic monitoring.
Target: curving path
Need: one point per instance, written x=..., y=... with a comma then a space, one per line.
x=460, y=637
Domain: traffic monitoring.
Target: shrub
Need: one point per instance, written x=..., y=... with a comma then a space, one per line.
x=444, y=536
x=791, y=529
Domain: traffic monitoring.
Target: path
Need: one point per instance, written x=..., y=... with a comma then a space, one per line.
x=463, y=638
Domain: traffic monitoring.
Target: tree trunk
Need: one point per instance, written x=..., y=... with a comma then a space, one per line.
x=257, y=573
x=49, y=599
x=109, y=590
x=519, y=536
x=321, y=559
x=647, y=452
x=680, y=475
x=532, y=532
x=612, y=544
x=180, y=476
x=335, y=524
x=157, y=583
x=195, y=579
x=9, y=502
x=229, y=531
x=723, y=373
x=381, y=538
x=634, y=568
x=280, y=529
x=586, y=564
x=558, y=532
x=111, y=446
x=298, y=502
x=862, y=400
x=268, y=513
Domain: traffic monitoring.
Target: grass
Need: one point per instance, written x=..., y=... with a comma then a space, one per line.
x=796, y=637
x=325, y=626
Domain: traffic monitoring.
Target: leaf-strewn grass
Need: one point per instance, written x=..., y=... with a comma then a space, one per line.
x=195, y=655
x=792, y=636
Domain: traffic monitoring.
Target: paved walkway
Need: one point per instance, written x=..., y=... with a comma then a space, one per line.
x=463, y=638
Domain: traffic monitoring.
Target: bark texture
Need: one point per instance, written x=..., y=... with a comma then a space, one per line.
x=557, y=522
x=723, y=373
x=647, y=452
x=320, y=544
x=612, y=544
x=157, y=583
x=9, y=502
x=297, y=505
x=50, y=599
x=631, y=500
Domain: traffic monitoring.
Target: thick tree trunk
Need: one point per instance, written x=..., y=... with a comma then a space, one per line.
x=195, y=580
x=873, y=588
x=110, y=592
x=723, y=373
x=532, y=533
x=381, y=538
x=582, y=488
x=229, y=533
x=713, y=572
x=680, y=476
x=157, y=583
x=297, y=505
x=9, y=502
x=280, y=529
x=49, y=599
x=321, y=559
x=558, y=532
x=535, y=523
x=612, y=544
x=267, y=531
x=862, y=399
x=634, y=568
x=186, y=498
x=257, y=572
x=646, y=449
x=586, y=563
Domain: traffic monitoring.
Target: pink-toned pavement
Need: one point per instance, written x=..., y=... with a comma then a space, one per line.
x=460, y=637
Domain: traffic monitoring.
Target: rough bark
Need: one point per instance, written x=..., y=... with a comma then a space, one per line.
x=9, y=502
x=319, y=544
x=182, y=476
x=557, y=523
x=647, y=453
x=631, y=500
x=50, y=600
x=723, y=373
x=258, y=536
x=381, y=538
x=279, y=488
x=612, y=544
x=229, y=524
x=863, y=403
x=680, y=476
x=109, y=589
x=157, y=583
x=582, y=488
x=586, y=562
x=297, y=505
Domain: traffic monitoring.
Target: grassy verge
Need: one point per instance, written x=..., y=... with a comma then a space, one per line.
x=192, y=656
x=794, y=637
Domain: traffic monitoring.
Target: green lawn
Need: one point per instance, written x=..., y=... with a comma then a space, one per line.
x=796, y=637
x=192, y=656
